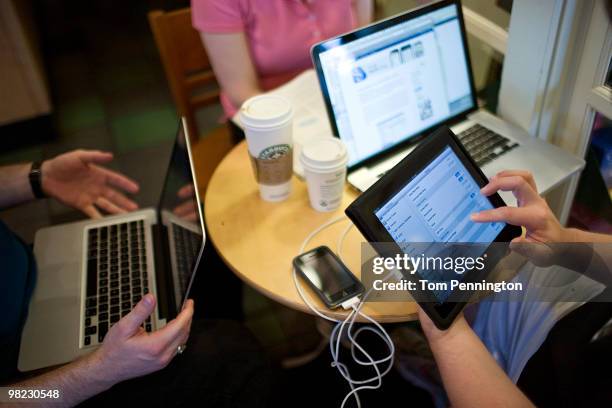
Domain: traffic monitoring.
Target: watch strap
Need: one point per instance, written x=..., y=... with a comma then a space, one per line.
x=35, y=177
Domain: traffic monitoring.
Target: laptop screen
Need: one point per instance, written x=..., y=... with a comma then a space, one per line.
x=396, y=80
x=181, y=216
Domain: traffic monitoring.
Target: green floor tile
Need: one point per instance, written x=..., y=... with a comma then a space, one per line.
x=80, y=113
x=144, y=129
x=267, y=329
x=130, y=75
x=255, y=303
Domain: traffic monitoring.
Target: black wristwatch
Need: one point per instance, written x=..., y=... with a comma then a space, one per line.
x=35, y=177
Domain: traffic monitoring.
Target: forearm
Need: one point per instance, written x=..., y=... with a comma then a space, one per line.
x=587, y=253
x=230, y=58
x=15, y=185
x=472, y=378
x=363, y=10
x=76, y=381
x=576, y=235
x=239, y=94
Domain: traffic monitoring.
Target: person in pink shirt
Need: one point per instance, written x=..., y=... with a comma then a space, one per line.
x=258, y=45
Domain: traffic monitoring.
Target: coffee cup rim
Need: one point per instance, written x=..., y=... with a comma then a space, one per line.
x=250, y=120
x=316, y=165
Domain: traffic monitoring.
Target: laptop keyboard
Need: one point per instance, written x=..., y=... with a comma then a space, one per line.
x=484, y=145
x=116, y=277
x=187, y=245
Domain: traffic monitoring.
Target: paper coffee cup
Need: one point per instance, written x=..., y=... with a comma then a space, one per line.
x=299, y=139
x=324, y=162
x=268, y=126
x=298, y=142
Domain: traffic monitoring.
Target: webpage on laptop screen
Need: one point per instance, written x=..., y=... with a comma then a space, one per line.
x=388, y=86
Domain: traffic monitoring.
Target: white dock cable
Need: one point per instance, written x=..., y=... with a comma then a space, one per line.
x=341, y=239
x=352, y=335
x=294, y=272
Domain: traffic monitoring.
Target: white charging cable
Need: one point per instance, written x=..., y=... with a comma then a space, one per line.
x=341, y=239
x=295, y=277
x=335, y=351
x=334, y=343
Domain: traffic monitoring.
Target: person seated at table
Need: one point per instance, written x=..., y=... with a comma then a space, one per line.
x=470, y=374
x=222, y=356
x=258, y=45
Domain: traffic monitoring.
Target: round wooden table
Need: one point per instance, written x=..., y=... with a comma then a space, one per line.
x=258, y=240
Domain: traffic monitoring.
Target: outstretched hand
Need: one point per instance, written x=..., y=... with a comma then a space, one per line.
x=77, y=180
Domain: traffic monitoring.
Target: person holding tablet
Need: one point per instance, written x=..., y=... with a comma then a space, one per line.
x=258, y=45
x=427, y=199
x=437, y=194
x=550, y=331
x=470, y=374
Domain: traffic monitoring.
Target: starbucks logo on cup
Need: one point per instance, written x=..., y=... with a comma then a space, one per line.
x=274, y=152
x=273, y=165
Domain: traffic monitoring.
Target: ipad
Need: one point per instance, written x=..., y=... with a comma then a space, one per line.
x=425, y=199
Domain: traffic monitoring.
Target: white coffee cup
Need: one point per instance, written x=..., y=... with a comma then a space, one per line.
x=268, y=127
x=299, y=140
x=324, y=161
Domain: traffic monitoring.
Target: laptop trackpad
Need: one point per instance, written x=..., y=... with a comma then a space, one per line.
x=53, y=339
x=51, y=332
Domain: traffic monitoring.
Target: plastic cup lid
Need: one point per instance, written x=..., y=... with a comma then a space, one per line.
x=265, y=111
x=324, y=154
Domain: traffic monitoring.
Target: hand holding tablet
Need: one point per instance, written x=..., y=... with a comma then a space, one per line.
x=428, y=198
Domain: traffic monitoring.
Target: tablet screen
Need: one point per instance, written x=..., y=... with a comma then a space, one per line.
x=435, y=206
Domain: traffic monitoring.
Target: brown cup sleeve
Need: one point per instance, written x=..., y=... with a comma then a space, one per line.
x=273, y=171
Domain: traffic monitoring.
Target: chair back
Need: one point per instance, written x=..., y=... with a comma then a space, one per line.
x=190, y=76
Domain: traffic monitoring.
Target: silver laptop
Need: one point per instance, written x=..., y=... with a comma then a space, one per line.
x=388, y=85
x=92, y=273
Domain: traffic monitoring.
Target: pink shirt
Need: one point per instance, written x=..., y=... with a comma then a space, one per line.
x=279, y=32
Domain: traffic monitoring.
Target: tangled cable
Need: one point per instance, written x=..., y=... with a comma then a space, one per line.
x=371, y=383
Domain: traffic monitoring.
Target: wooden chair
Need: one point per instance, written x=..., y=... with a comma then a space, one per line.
x=188, y=72
x=191, y=78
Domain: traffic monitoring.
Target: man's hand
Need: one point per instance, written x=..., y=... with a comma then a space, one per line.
x=128, y=351
x=532, y=212
x=76, y=179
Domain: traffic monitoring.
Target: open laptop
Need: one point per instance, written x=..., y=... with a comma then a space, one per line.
x=92, y=273
x=389, y=84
